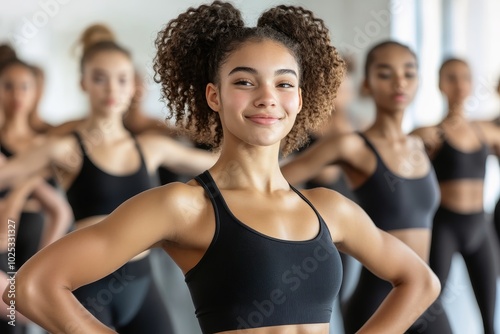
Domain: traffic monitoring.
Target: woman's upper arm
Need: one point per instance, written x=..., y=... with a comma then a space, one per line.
x=308, y=163
x=161, y=150
x=381, y=253
x=93, y=252
x=491, y=132
x=430, y=137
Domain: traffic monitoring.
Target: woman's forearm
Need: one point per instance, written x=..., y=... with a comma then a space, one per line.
x=403, y=305
x=58, y=212
x=51, y=305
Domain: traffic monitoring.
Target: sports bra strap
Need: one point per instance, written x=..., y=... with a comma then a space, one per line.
x=206, y=180
x=370, y=145
x=141, y=155
x=80, y=142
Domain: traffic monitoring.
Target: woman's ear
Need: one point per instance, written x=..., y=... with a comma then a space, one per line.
x=300, y=100
x=82, y=85
x=364, y=89
x=213, y=97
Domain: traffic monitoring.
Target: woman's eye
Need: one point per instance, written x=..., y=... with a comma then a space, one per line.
x=243, y=83
x=383, y=75
x=410, y=75
x=286, y=85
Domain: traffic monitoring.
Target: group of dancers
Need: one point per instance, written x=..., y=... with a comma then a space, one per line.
x=281, y=189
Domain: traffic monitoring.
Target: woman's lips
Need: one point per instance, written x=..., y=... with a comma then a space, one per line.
x=263, y=119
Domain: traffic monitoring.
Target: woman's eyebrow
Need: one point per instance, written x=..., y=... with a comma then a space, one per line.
x=252, y=70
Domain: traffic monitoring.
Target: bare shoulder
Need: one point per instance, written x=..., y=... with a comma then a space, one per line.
x=345, y=144
x=65, y=128
x=64, y=150
x=151, y=137
x=185, y=204
x=345, y=140
x=335, y=209
x=416, y=141
x=425, y=132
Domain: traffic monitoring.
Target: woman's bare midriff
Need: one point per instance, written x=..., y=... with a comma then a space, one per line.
x=462, y=196
x=288, y=329
x=96, y=219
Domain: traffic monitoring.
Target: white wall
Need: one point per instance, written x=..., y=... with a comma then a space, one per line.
x=45, y=31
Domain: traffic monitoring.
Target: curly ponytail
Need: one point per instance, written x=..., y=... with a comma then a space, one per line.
x=193, y=47
x=185, y=63
x=322, y=67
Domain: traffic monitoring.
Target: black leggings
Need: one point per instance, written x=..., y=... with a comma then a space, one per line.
x=496, y=223
x=466, y=234
x=127, y=300
x=28, y=235
x=368, y=294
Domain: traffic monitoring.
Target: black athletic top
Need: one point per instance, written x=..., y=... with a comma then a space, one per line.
x=7, y=154
x=394, y=202
x=249, y=280
x=95, y=192
x=452, y=164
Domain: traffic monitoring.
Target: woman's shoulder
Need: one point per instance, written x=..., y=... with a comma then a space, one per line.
x=426, y=132
x=181, y=207
x=183, y=198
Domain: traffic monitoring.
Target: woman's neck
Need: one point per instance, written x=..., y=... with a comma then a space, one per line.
x=105, y=126
x=17, y=126
x=388, y=125
x=456, y=110
x=249, y=167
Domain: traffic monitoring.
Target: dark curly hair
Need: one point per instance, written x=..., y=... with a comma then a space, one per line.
x=192, y=48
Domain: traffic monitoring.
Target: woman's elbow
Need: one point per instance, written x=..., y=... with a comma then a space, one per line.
x=429, y=285
x=22, y=293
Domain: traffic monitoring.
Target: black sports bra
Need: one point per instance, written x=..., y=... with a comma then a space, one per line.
x=250, y=280
x=452, y=164
x=95, y=192
x=394, y=202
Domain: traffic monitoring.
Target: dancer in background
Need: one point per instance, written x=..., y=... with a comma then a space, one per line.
x=389, y=172
x=100, y=165
x=7, y=52
x=332, y=176
x=243, y=90
x=458, y=149
x=40, y=213
x=496, y=150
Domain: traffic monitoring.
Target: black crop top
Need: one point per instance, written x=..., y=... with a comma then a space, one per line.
x=7, y=154
x=95, y=192
x=394, y=202
x=249, y=280
x=452, y=164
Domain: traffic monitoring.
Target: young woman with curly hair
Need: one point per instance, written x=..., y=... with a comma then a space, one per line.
x=258, y=255
x=389, y=172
